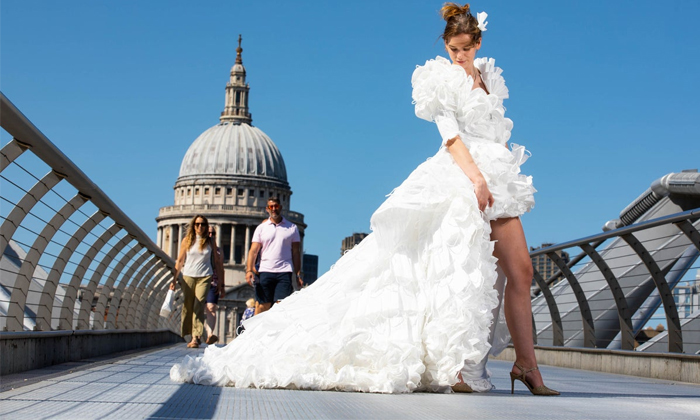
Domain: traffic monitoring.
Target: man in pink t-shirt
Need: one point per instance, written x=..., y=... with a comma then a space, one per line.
x=278, y=242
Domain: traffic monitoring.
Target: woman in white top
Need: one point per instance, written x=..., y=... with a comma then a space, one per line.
x=197, y=263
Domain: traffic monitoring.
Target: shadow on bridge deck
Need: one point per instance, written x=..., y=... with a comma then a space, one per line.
x=138, y=386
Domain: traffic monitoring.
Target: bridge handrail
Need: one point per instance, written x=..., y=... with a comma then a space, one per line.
x=15, y=123
x=131, y=249
x=672, y=218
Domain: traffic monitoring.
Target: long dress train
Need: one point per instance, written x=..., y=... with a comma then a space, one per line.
x=412, y=303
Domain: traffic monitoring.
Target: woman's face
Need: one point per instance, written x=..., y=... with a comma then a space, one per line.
x=462, y=51
x=200, y=226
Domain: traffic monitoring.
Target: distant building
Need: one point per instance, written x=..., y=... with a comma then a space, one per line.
x=544, y=265
x=309, y=269
x=351, y=241
x=687, y=296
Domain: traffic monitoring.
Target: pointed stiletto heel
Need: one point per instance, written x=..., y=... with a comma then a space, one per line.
x=540, y=390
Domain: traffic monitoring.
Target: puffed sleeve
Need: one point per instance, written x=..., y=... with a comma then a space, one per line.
x=447, y=125
x=436, y=88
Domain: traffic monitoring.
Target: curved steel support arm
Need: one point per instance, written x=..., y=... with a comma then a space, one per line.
x=122, y=291
x=586, y=316
x=91, y=288
x=64, y=317
x=689, y=230
x=623, y=312
x=10, y=152
x=108, y=290
x=134, y=298
x=557, y=329
x=46, y=300
x=675, y=336
x=18, y=297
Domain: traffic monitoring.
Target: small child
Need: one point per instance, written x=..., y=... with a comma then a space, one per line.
x=249, y=312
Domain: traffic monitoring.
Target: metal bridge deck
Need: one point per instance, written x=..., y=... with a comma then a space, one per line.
x=137, y=386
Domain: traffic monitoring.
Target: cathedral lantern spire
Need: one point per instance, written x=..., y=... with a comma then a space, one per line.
x=236, y=106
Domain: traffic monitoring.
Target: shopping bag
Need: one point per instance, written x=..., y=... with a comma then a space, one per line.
x=167, y=307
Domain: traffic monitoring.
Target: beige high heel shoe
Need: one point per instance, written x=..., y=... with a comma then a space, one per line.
x=540, y=390
x=461, y=387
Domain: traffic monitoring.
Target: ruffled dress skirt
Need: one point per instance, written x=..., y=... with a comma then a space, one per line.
x=400, y=312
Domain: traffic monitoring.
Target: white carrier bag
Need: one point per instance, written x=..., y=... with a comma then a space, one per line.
x=167, y=307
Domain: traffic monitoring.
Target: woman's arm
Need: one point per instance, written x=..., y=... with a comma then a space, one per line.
x=464, y=160
x=449, y=131
x=179, y=263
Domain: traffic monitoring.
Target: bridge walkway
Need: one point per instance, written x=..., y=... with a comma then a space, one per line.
x=137, y=386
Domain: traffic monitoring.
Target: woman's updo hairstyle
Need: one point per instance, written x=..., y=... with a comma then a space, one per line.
x=459, y=21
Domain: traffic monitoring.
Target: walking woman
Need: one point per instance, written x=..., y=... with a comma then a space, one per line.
x=198, y=259
x=414, y=303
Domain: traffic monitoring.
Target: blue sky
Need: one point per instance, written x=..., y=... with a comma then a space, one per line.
x=604, y=94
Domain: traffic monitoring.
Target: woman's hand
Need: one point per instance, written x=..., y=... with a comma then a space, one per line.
x=173, y=284
x=464, y=160
x=484, y=198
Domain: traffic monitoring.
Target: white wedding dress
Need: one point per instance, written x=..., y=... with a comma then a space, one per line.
x=410, y=305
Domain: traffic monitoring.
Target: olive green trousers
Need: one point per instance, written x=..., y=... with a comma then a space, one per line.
x=194, y=292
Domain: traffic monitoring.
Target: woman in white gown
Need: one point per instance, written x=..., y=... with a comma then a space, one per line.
x=413, y=304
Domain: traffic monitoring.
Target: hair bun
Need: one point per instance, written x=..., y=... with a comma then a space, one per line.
x=450, y=10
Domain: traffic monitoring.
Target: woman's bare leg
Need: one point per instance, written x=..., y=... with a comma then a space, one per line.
x=210, y=311
x=514, y=260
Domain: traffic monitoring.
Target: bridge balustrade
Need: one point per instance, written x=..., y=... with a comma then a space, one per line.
x=631, y=288
x=72, y=260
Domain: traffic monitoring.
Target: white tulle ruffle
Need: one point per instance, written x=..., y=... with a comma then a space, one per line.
x=400, y=312
x=513, y=192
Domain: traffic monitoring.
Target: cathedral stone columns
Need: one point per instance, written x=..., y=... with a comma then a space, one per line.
x=232, y=255
x=172, y=241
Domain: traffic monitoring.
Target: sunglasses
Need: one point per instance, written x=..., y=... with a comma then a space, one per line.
x=201, y=224
x=273, y=207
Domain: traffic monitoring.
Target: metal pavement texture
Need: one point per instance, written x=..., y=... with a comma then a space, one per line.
x=139, y=387
x=103, y=256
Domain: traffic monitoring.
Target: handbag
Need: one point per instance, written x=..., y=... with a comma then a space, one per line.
x=167, y=307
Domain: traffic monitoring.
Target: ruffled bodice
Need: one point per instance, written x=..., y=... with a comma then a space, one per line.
x=442, y=92
x=440, y=87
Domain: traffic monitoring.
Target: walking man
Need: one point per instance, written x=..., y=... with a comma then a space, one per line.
x=278, y=242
